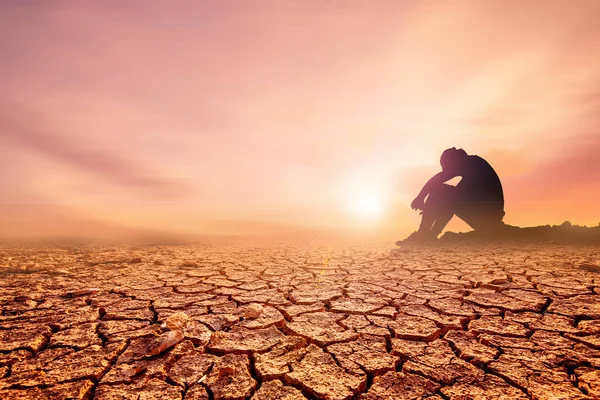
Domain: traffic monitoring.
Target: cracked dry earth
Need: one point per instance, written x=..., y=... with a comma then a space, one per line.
x=206, y=322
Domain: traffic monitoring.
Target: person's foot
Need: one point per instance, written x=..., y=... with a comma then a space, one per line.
x=417, y=237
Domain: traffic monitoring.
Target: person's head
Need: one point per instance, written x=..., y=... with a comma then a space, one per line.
x=452, y=158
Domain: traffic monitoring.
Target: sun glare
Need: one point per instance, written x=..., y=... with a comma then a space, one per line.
x=368, y=205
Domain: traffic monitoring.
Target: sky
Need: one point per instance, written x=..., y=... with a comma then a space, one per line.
x=194, y=120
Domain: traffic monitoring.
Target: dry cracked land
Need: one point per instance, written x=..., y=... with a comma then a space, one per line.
x=291, y=322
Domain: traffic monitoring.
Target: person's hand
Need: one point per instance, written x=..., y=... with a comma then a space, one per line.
x=418, y=203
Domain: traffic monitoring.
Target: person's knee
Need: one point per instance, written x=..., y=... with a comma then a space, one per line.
x=442, y=194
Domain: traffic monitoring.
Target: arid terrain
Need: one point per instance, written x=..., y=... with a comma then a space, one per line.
x=293, y=322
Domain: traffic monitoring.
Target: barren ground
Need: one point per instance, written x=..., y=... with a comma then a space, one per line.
x=206, y=322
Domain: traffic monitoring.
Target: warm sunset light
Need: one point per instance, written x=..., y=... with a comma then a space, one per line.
x=368, y=205
x=195, y=119
x=300, y=199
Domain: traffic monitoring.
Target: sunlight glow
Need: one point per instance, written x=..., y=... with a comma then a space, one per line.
x=368, y=205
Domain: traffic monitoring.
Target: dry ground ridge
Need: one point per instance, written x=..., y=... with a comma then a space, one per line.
x=209, y=322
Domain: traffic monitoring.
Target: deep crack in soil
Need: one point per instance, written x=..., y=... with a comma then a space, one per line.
x=285, y=322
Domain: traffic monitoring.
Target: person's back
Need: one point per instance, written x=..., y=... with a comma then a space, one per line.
x=479, y=182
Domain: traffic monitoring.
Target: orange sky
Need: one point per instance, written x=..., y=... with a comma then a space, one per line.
x=121, y=119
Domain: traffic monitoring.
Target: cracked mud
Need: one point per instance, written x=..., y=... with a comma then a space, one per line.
x=209, y=322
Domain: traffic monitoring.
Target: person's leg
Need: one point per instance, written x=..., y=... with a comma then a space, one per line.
x=438, y=211
x=483, y=216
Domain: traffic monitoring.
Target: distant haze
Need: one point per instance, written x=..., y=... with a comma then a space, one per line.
x=192, y=120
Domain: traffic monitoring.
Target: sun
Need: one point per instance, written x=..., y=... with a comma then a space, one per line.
x=367, y=205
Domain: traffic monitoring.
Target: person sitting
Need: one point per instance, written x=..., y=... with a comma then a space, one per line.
x=477, y=199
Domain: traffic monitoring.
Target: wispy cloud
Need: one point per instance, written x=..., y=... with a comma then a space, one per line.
x=282, y=111
x=32, y=132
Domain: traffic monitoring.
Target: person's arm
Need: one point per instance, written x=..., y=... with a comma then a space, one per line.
x=436, y=180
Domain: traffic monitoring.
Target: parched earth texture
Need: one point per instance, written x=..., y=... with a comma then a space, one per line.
x=296, y=322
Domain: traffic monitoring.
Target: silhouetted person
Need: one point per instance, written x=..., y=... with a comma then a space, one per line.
x=477, y=199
